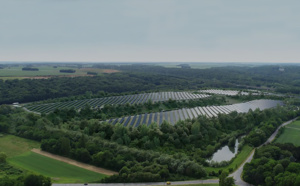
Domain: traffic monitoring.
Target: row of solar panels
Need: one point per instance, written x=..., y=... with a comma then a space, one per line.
x=190, y=113
x=131, y=99
x=227, y=92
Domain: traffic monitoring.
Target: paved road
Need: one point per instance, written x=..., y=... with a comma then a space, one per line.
x=272, y=137
x=145, y=184
x=236, y=175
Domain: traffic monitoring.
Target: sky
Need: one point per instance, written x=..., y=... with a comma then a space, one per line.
x=150, y=30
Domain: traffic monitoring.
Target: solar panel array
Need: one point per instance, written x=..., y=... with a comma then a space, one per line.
x=190, y=113
x=226, y=92
x=131, y=99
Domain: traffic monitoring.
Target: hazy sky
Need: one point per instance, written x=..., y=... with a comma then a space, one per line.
x=150, y=30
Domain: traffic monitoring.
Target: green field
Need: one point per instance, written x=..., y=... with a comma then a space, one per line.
x=291, y=134
x=241, y=157
x=60, y=172
x=14, y=146
x=19, y=155
x=44, y=70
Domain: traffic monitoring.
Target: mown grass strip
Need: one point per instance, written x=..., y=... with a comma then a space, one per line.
x=60, y=172
x=14, y=146
x=291, y=134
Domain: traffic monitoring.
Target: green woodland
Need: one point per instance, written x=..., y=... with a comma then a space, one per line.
x=156, y=152
x=274, y=164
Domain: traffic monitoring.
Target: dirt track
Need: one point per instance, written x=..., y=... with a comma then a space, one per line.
x=76, y=163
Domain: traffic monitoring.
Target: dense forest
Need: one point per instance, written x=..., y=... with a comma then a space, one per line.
x=142, y=78
x=274, y=164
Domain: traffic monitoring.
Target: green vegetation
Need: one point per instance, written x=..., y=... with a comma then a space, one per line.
x=138, y=78
x=18, y=151
x=60, y=172
x=290, y=134
x=14, y=146
x=30, y=69
x=144, y=153
x=67, y=71
x=38, y=70
x=16, y=71
x=274, y=164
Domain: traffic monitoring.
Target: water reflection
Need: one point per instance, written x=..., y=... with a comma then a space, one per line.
x=225, y=153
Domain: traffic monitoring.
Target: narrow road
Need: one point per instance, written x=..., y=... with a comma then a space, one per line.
x=236, y=174
x=145, y=184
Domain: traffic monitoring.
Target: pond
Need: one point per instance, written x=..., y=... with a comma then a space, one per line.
x=226, y=153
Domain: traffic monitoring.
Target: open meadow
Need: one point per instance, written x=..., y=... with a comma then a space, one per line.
x=18, y=151
x=60, y=172
x=14, y=146
x=291, y=134
x=46, y=71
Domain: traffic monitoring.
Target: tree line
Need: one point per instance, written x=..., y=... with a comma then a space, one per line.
x=139, y=78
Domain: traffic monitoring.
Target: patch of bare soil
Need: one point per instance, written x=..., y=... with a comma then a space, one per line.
x=109, y=71
x=75, y=163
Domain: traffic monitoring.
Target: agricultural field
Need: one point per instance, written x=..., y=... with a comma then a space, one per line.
x=196, y=65
x=18, y=151
x=60, y=172
x=291, y=134
x=14, y=146
x=131, y=99
x=45, y=71
x=190, y=113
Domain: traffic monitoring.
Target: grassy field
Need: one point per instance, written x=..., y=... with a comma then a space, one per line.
x=241, y=157
x=291, y=134
x=19, y=155
x=14, y=146
x=60, y=172
x=201, y=65
x=46, y=70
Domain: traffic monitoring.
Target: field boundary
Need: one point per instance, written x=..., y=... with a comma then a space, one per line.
x=75, y=163
x=292, y=128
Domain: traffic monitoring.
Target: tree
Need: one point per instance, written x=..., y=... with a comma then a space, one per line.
x=278, y=169
x=229, y=181
x=37, y=180
x=64, y=146
x=2, y=157
x=224, y=180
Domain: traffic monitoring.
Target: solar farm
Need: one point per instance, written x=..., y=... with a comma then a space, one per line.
x=190, y=113
x=226, y=92
x=100, y=102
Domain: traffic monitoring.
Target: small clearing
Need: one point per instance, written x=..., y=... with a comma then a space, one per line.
x=291, y=134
